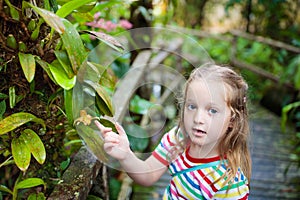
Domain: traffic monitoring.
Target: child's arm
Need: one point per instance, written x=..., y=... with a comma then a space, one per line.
x=117, y=145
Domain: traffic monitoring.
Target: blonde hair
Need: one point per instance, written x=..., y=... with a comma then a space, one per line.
x=233, y=145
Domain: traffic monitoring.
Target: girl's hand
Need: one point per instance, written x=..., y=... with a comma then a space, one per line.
x=115, y=145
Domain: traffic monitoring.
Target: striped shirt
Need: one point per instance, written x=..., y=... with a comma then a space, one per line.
x=195, y=178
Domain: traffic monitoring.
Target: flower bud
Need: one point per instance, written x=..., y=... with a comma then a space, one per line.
x=22, y=46
x=11, y=41
x=31, y=25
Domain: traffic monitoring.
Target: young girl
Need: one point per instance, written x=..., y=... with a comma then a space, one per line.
x=207, y=153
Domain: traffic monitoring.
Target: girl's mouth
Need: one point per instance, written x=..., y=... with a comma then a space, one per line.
x=198, y=132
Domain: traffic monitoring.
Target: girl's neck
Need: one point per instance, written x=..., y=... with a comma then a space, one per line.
x=197, y=151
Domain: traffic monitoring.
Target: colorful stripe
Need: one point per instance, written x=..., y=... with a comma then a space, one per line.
x=197, y=167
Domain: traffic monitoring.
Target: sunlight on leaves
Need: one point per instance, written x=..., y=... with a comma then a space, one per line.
x=16, y=120
x=74, y=46
x=34, y=144
x=20, y=153
x=29, y=182
x=61, y=77
x=69, y=7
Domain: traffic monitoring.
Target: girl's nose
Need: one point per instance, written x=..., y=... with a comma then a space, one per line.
x=199, y=117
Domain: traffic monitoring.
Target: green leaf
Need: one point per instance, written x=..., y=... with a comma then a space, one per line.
x=106, y=75
x=29, y=183
x=116, y=185
x=108, y=123
x=103, y=103
x=137, y=137
x=77, y=98
x=82, y=17
x=50, y=18
x=21, y=153
x=46, y=67
x=12, y=97
x=68, y=95
x=139, y=105
x=63, y=59
x=13, y=11
x=69, y=7
x=39, y=196
x=27, y=62
x=61, y=77
x=34, y=144
x=64, y=164
x=103, y=100
x=11, y=41
x=3, y=188
x=108, y=4
x=93, y=141
x=86, y=8
x=74, y=46
x=107, y=39
x=36, y=31
x=284, y=114
x=88, y=71
x=2, y=108
x=3, y=96
x=297, y=79
x=18, y=119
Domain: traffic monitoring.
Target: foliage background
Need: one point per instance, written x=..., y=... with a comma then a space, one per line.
x=38, y=72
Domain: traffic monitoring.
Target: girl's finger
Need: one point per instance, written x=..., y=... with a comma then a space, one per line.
x=102, y=128
x=99, y=125
x=120, y=129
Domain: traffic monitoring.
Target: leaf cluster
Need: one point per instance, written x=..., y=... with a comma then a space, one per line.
x=51, y=58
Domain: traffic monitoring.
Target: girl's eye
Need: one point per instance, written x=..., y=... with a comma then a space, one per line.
x=212, y=111
x=191, y=107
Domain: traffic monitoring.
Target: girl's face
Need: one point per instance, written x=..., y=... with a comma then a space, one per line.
x=206, y=115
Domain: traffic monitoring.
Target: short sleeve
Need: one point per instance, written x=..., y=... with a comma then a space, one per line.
x=162, y=151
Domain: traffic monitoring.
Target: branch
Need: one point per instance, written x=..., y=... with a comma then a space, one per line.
x=271, y=42
x=235, y=62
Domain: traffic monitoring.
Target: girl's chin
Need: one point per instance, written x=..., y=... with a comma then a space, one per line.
x=198, y=140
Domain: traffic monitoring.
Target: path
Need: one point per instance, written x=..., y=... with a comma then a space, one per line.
x=270, y=158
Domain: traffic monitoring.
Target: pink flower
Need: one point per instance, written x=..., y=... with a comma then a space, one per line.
x=97, y=15
x=109, y=26
x=91, y=24
x=125, y=24
x=100, y=24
